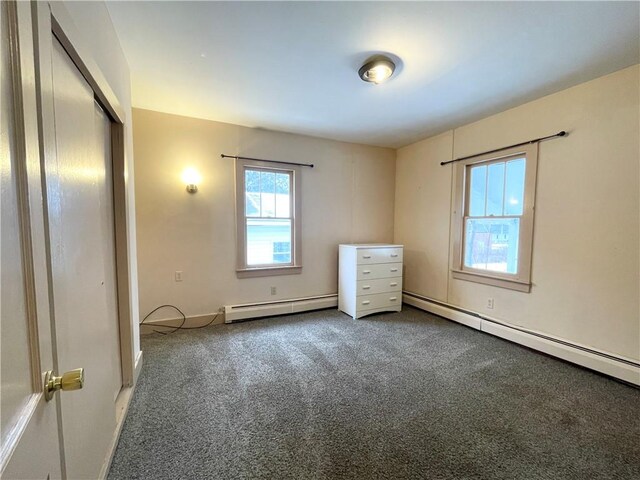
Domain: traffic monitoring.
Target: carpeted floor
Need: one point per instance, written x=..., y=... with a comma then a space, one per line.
x=409, y=395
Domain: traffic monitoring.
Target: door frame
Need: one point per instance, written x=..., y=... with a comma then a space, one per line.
x=53, y=18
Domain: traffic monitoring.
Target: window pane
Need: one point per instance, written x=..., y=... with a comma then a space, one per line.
x=495, y=186
x=478, y=191
x=513, y=203
x=282, y=195
x=267, y=194
x=252, y=193
x=252, y=204
x=492, y=244
x=251, y=181
x=268, y=241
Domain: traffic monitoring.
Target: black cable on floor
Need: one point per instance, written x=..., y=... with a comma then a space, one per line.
x=179, y=327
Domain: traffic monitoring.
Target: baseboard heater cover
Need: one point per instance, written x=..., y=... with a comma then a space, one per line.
x=234, y=313
x=621, y=368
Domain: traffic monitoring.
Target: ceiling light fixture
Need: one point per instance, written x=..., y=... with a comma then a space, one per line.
x=377, y=70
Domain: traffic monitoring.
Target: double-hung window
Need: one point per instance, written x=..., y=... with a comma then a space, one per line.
x=492, y=224
x=268, y=219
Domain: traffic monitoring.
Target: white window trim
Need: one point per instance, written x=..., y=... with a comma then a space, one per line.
x=243, y=270
x=522, y=280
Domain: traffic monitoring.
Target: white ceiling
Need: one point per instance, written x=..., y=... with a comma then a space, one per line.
x=292, y=66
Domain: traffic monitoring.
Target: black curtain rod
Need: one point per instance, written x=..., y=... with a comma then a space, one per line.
x=559, y=134
x=270, y=161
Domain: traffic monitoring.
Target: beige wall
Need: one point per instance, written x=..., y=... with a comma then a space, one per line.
x=93, y=22
x=585, y=271
x=347, y=197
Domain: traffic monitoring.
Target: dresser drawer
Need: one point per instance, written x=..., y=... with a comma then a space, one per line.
x=380, y=285
x=382, y=270
x=379, y=255
x=380, y=300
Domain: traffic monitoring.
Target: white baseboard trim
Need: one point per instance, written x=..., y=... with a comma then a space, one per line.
x=608, y=364
x=233, y=313
x=443, y=311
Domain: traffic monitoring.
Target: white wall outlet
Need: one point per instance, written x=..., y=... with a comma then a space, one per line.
x=490, y=303
x=274, y=290
x=178, y=275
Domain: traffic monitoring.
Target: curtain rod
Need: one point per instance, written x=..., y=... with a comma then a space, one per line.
x=222, y=155
x=559, y=134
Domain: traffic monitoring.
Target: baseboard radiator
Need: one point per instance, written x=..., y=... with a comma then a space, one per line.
x=234, y=313
x=625, y=369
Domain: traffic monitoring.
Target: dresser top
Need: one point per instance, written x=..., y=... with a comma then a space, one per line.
x=370, y=245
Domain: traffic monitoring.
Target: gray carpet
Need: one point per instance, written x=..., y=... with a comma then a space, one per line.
x=409, y=395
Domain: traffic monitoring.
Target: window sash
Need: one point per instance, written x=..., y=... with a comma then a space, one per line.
x=271, y=264
x=485, y=271
x=290, y=173
x=477, y=163
x=504, y=160
x=247, y=218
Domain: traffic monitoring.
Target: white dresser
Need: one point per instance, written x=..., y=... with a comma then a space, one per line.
x=370, y=279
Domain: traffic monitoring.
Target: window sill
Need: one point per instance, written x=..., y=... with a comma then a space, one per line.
x=493, y=281
x=268, y=271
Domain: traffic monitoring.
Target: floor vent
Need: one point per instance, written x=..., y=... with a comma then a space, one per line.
x=234, y=313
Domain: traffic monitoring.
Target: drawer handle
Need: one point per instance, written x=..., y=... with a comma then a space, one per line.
x=393, y=284
x=394, y=269
x=364, y=272
x=366, y=287
x=366, y=256
x=394, y=255
x=393, y=299
x=366, y=302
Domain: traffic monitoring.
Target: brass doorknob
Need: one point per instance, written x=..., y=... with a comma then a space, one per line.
x=71, y=380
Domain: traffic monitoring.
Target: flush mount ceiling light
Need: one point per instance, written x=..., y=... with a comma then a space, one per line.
x=377, y=70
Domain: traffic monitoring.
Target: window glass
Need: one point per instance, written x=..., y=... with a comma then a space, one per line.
x=514, y=189
x=281, y=252
x=495, y=189
x=267, y=194
x=283, y=200
x=252, y=193
x=477, y=197
x=268, y=241
x=492, y=244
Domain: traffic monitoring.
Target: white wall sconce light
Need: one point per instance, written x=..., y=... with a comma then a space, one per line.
x=192, y=178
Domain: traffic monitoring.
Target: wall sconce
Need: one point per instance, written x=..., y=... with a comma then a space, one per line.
x=192, y=178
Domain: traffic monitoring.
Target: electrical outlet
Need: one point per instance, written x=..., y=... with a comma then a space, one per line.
x=490, y=303
x=274, y=290
x=178, y=275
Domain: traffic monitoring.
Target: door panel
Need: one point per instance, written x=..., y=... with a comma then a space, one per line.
x=15, y=355
x=83, y=267
x=108, y=246
x=29, y=445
